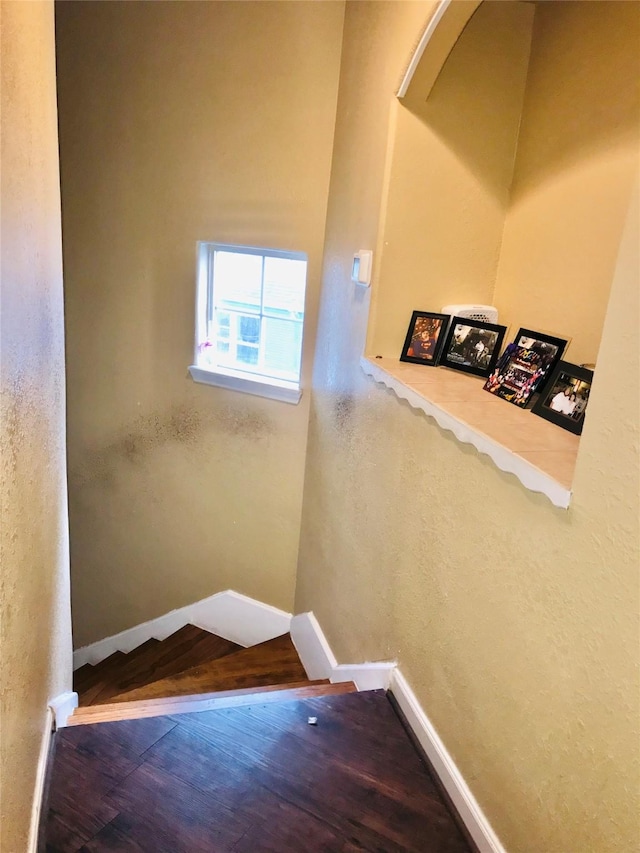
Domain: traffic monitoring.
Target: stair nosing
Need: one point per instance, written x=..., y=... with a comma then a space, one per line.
x=201, y=702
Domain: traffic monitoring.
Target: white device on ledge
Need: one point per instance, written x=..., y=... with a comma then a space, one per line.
x=483, y=313
x=361, y=269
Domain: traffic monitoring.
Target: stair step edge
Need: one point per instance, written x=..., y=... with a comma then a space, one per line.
x=188, y=697
x=206, y=702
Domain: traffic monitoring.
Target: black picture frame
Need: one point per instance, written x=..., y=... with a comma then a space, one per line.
x=525, y=366
x=472, y=346
x=550, y=406
x=544, y=345
x=429, y=349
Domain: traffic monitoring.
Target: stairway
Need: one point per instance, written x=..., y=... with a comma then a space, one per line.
x=192, y=670
x=193, y=744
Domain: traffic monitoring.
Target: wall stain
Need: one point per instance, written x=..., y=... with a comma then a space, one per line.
x=343, y=410
x=182, y=425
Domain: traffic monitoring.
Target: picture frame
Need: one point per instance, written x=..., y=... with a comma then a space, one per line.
x=525, y=366
x=425, y=337
x=472, y=346
x=566, y=396
x=549, y=347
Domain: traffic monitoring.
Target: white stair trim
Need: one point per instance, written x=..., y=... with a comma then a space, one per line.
x=228, y=614
x=62, y=707
x=320, y=662
x=466, y=804
x=312, y=646
x=41, y=777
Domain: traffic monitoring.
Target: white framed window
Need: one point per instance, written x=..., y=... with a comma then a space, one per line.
x=249, y=319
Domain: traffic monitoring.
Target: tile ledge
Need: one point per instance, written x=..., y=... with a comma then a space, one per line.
x=532, y=478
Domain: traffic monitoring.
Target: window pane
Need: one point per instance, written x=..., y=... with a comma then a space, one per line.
x=222, y=321
x=237, y=280
x=284, y=283
x=282, y=348
x=249, y=329
x=247, y=355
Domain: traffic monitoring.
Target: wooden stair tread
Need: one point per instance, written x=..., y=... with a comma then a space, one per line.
x=89, y=674
x=272, y=662
x=108, y=669
x=184, y=649
x=90, y=681
x=193, y=703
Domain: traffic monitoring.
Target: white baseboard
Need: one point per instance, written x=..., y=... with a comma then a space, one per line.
x=229, y=614
x=365, y=676
x=461, y=796
x=320, y=662
x=41, y=777
x=63, y=707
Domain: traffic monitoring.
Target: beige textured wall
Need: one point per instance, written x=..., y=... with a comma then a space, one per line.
x=35, y=643
x=450, y=177
x=515, y=622
x=182, y=122
x=577, y=153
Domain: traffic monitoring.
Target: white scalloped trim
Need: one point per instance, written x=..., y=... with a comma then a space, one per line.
x=506, y=460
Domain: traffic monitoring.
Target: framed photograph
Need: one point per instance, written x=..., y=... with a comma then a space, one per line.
x=525, y=366
x=515, y=375
x=564, y=401
x=472, y=346
x=549, y=349
x=425, y=337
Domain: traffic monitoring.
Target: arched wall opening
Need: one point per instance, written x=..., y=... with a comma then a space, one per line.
x=510, y=169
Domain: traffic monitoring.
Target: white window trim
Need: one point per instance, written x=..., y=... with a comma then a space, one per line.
x=261, y=386
x=270, y=388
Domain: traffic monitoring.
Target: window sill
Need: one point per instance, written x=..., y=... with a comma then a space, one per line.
x=541, y=455
x=259, y=388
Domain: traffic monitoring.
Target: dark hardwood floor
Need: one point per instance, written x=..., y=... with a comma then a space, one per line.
x=250, y=779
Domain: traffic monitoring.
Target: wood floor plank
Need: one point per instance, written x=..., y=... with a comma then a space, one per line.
x=114, y=837
x=67, y=830
x=134, y=737
x=169, y=815
x=254, y=779
x=281, y=826
x=273, y=662
x=188, y=647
